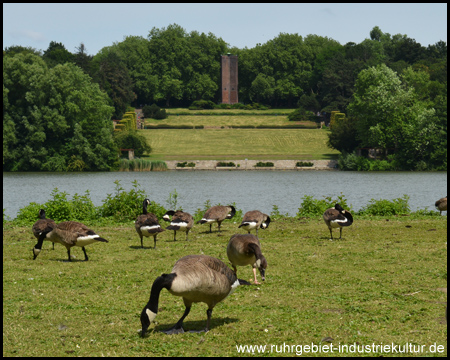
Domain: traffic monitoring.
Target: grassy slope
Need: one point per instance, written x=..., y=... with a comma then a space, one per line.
x=221, y=144
x=379, y=284
x=218, y=144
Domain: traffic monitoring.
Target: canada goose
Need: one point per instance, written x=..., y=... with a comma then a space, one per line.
x=196, y=278
x=217, y=214
x=43, y=225
x=180, y=221
x=245, y=249
x=147, y=224
x=69, y=234
x=441, y=205
x=337, y=217
x=253, y=220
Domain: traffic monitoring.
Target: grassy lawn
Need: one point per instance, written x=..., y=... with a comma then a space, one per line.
x=221, y=144
x=228, y=121
x=381, y=283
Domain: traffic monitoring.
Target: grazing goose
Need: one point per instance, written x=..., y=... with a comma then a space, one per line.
x=337, y=217
x=441, y=205
x=217, y=214
x=43, y=225
x=245, y=249
x=69, y=234
x=180, y=221
x=147, y=224
x=196, y=278
x=254, y=220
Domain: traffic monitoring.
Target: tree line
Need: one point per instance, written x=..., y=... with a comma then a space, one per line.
x=173, y=68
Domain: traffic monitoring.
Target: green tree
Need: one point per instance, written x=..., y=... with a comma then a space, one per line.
x=132, y=140
x=113, y=77
x=390, y=115
x=57, y=53
x=55, y=113
x=343, y=135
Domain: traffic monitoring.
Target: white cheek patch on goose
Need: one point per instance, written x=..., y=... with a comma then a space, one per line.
x=258, y=263
x=166, y=217
x=263, y=225
x=151, y=315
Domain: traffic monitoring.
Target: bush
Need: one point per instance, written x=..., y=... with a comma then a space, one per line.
x=264, y=164
x=123, y=206
x=186, y=164
x=353, y=162
x=202, y=104
x=160, y=114
x=59, y=208
x=311, y=207
x=301, y=163
x=385, y=207
x=150, y=110
x=132, y=140
x=301, y=114
x=226, y=164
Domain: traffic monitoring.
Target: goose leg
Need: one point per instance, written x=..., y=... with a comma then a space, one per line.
x=154, y=239
x=208, y=320
x=340, y=233
x=68, y=254
x=174, y=235
x=85, y=255
x=178, y=327
x=331, y=234
x=187, y=233
x=142, y=243
x=254, y=275
x=210, y=228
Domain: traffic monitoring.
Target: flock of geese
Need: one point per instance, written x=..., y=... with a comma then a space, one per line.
x=196, y=278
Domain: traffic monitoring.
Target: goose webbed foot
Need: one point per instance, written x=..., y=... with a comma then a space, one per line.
x=174, y=330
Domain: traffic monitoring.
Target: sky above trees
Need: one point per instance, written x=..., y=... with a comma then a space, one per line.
x=239, y=25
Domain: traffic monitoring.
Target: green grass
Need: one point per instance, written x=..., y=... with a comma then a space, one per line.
x=186, y=111
x=229, y=144
x=217, y=121
x=379, y=284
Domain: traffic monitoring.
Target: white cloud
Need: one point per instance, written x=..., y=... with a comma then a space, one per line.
x=28, y=34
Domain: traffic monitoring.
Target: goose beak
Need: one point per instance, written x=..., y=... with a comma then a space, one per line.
x=263, y=274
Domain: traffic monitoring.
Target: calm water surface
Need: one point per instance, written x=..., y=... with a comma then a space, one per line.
x=250, y=190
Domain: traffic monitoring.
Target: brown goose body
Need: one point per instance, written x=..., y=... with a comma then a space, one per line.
x=181, y=221
x=255, y=219
x=441, y=205
x=337, y=217
x=245, y=249
x=147, y=224
x=196, y=278
x=43, y=225
x=217, y=214
x=69, y=234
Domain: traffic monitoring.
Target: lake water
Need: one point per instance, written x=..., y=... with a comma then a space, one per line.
x=250, y=190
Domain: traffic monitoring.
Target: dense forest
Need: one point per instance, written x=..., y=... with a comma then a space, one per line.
x=390, y=93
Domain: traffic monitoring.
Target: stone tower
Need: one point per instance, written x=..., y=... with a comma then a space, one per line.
x=229, y=67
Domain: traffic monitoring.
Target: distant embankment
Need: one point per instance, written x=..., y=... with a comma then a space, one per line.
x=251, y=165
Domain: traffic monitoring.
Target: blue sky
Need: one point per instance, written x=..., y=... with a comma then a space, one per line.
x=240, y=25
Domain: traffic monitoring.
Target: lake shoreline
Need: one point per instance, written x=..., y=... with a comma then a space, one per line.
x=250, y=165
